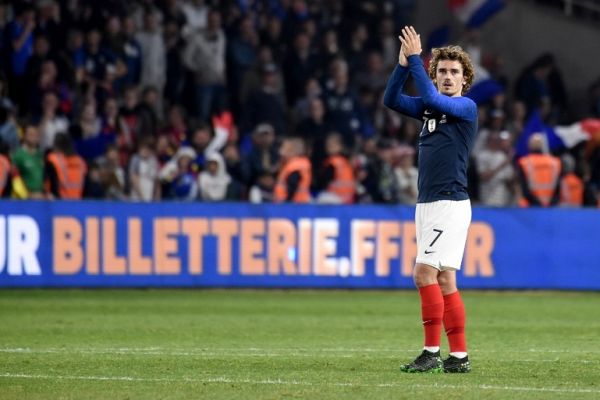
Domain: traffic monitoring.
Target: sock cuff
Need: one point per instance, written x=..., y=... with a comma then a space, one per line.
x=453, y=298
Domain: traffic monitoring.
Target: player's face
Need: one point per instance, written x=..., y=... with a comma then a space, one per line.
x=449, y=77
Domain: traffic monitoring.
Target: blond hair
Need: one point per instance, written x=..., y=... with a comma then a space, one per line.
x=453, y=53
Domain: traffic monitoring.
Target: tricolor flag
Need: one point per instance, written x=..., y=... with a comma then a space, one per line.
x=558, y=137
x=474, y=13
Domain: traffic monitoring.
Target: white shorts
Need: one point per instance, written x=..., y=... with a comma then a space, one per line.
x=442, y=228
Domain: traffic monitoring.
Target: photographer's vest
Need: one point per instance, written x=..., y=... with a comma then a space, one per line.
x=571, y=190
x=302, y=195
x=343, y=184
x=542, y=172
x=71, y=172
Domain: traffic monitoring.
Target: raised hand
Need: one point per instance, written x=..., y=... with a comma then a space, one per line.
x=402, y=57
x=411, y=41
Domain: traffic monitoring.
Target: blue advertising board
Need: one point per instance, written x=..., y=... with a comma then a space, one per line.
x=118, y=244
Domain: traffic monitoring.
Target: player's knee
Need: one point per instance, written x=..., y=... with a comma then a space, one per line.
x=424, y=275
x=447, y=284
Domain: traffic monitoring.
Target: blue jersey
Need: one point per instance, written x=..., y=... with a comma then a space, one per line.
x=447, y=136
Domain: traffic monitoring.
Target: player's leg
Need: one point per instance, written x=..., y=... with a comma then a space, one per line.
x=454, y=323
x=432, y=310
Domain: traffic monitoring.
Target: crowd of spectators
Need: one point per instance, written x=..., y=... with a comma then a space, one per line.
x=191, y=99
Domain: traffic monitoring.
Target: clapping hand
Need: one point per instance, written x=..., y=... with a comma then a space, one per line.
x=411, y=42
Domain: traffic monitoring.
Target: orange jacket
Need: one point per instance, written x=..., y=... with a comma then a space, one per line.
x=542, y=174
x=71, y=172
x=302, y=194
x=4, y=172
x=571, y=190
x=343, y=183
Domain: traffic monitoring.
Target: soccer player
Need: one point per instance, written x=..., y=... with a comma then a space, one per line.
x=443, y=211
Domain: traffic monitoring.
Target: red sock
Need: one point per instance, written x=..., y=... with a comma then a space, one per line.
x=454, y=322
x=432, y=311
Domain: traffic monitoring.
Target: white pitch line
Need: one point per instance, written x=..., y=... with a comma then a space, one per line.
x=285, y=351
x=224, y=379
x=254, y=352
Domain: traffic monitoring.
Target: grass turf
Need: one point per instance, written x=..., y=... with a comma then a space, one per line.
x=243, y=344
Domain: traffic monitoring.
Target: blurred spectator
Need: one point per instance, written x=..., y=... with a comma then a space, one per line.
x=357, y=47
x=33, y=70
x=64, y=171
x=203, y=141
x=164, y=149
x=175, y=71
x=99, y=64
x=253, y=78
x=150, y=112
x=51, y=123
x=389, y=44
x=263, y=156
x=262, y=190
x=266, y=104
x=204, y=55
x=176, y=129
x=335, y=179
x=29, y=162
x=131, y=52
x=372, y=76
x=496, y=173
x=110, y=117
x=93, y=188
x=143, y=173
x=5, y=171
x=8, y=129
x=299, y=66
x=48, y=21
x=314, y=129
x=179, y=177
x=381, y=182
x=112, y=174
x=331, y=50
x=539, y=175
x=571, y=185
x=294, y=176
x=153, y=54
x=214, y=181
x=172, y=11
x=343, y=111
x=20, y=36
x=406, y=174
x=272, y=38
x=234, y=168
x=241, y=53
x=312, y=90
x=196, y=16
x=48, y=82
x=539, y=81
x=72, y=58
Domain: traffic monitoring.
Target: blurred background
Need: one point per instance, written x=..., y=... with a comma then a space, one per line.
x=191, y=99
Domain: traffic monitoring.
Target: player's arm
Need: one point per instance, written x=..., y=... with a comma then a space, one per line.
x=393, y=97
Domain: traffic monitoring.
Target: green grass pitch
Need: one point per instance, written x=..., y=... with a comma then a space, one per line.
x=255, y=344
